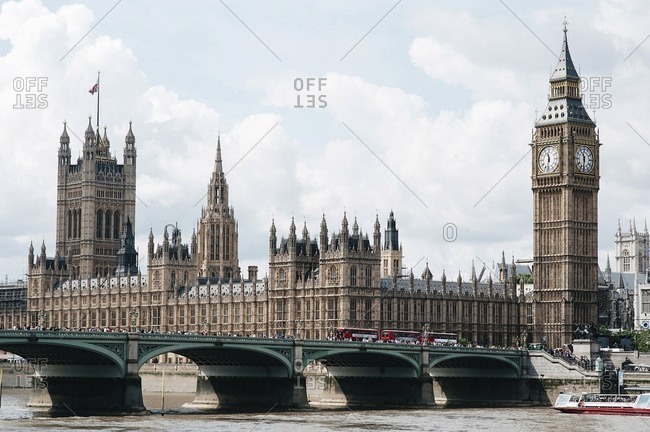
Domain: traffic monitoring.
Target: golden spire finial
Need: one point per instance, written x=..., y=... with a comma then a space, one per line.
x=565, y=23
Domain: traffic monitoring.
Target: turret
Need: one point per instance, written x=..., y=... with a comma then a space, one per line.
x=89, y=135
x=130, y=152
x=305, y=238
x=43, y=257
x=273, y=239
x=292, y=237
x=345, y=233
x=150, y=244
x=127, y=257
x=323, y=235
x=391, y=240
x=64, y=151
x=503, y=269
x=30, y=256
x=194, y=243
x=443, y=281
x=166, y=242
x=426, y=274
x=513, y=275
x=376, y=237
x=474, y=280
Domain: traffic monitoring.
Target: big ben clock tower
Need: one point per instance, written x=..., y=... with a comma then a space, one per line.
x=565, y=182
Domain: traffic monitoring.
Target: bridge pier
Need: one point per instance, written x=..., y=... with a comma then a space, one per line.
x=74, y=390
x=426, y=380
x=254, y=387
x=481, y=391
x=249, y=393
x=78, y=396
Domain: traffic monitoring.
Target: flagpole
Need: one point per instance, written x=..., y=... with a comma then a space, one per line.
x=98, y=100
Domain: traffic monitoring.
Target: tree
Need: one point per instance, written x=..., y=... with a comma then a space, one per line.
x=642, y=340
x=604, y=331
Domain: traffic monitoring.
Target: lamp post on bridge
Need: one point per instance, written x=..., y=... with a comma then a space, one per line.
x=205, y=326
x=524, y=338
x=298, y=329
x=425, y=332
x=42, y=316
x=134, y=317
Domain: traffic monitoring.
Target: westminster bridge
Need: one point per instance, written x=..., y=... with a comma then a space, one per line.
x=89, y=372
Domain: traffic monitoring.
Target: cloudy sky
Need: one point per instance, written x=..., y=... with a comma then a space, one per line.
x=425, y=108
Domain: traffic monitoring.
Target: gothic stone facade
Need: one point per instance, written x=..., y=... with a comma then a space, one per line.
x=565, y=183
x=313, y=286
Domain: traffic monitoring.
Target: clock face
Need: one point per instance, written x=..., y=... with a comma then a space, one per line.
x=584, y=159
x=548, y=159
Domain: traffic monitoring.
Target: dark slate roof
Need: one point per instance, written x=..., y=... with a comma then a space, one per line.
x=561, y=110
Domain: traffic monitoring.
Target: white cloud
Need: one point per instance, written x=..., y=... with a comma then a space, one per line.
x=456, y=122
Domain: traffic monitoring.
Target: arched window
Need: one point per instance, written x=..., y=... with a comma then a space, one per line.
x=107, y=226
x=626, y=260
x=368, y=277
x=353, y=276
x=332, y=275
x=116, y=225
x=100, y=220
x=74, y=224
x=173, y=279
x=69, y=223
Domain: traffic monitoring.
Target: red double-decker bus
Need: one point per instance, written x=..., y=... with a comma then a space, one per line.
x=441, y=338
x=400, y=336
x=357, y=334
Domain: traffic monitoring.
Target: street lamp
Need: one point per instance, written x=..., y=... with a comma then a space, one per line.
x=134, y=317
x=425, y=332
x=205, y=326
x=41, y=319
x=298, y=329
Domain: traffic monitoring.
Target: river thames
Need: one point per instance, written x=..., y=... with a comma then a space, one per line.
x=14, y=415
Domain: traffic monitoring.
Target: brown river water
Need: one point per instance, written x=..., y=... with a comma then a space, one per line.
x=15, y=416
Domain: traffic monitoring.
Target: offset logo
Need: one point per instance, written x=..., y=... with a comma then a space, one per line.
x=310, y=92
x=449, y=232
x=29, y=92
x=594, y=92
x=24, y=373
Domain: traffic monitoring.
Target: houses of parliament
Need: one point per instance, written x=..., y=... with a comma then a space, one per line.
x=339, y=275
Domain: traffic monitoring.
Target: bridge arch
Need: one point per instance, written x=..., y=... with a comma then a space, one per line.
x=475, y=361
x=360, y=357
x=210, y=353
x=49, y=351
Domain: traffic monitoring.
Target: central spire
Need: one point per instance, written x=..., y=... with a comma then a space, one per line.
x=564, y=99
x=218, y=188
x=565, y=68
x=218, y=166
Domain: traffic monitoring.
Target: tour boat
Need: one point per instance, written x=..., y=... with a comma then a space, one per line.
x=595, y=403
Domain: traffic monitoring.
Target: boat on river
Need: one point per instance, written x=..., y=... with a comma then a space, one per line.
x=596, y=403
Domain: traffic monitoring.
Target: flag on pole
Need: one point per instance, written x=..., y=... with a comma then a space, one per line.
x=94, y=89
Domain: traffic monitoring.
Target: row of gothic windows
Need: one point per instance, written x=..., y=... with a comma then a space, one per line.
x=107, y=224
x=219, y=241
x=74, y=223
x=364, y=282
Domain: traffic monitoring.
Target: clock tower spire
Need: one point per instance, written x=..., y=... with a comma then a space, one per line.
x=565, y=183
